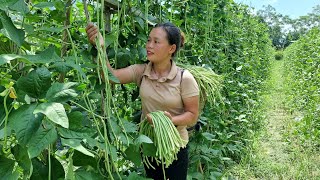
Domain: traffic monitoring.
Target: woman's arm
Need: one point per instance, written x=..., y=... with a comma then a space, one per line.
x=125, y=74
x=190, y=116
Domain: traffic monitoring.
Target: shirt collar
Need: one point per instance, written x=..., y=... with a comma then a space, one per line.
x=172, y=74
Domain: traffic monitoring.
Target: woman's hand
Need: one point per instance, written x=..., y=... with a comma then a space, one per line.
x=93, y=33
x=149, y=118
x=168, y=114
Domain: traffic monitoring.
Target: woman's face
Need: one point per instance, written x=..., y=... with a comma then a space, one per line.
x=158, y=47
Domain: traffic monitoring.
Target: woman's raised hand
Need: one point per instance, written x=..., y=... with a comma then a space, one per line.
x=93, y=33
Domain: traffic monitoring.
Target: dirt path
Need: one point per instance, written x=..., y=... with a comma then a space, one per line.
x=275, y=153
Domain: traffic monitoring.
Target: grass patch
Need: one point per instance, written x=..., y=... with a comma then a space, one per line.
x=275, y=152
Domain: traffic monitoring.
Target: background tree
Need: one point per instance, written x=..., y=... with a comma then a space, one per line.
x=284, y=30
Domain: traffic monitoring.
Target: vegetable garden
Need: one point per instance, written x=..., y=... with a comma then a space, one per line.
x=59, y=119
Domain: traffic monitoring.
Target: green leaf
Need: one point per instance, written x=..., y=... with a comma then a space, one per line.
x=71, y=63
x=51, y=29
x=123, y=59
x=142, y=139
x=8, y=132
x=196, y=175
x=61, y=92
x=129, y=126
x=57, y=171
x=47, y=56
x=6, y=58
x=61, y=67
x=84, y=133
x=21, y=156
x=135, y=176
x=84, y=174
x=76, y=144
x=20, y=6
x=209, y=136
x=44, y=5
x=36, y=83
x=149, y=149
x=10, y=30
x=7, y=169
x=4, y=4
x=41, y=140
x=24, y=122
x=80, y=159
x=133, y=154
x=69, y=169
x=75, y=120
x=39, y=169
x=55, y=112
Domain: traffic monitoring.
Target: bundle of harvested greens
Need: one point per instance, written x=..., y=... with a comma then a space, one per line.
x=165, y=137
x=208, y=81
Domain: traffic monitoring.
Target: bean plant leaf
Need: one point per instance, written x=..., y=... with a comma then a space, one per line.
x=135, y=176
x=149, y=149
x=69, y=169
x=21, y=156
x=142, y=139
x=7, y=168
x=36, y=83
x=41, y=140
x=133, y=154
x=209, y=136
x=129, y=126
x=4, y=4
x=84, y=133
x=20, y=6
x=47, y=56
x=61, y=92
x=6, y=58
x=44, y=5
x=24, y=122
x=123, y=59
x=76, y=144
x=57, y=168
x=51, y=29
x=80, y=159
x=55, y=112
x=84, y=174
x=39, y=169
x=75, y=120
x=10, y=30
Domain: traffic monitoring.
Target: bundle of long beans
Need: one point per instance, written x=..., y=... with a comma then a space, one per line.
x=210, y=83
x=165, y=137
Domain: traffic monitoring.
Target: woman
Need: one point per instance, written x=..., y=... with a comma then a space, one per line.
x=163, y=86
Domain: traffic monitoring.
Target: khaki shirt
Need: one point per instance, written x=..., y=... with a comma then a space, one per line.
x=165, y=93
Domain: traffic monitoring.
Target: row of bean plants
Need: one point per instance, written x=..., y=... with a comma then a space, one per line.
x=59, y=115
x=303, y=80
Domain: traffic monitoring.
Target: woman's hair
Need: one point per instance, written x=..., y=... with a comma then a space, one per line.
x=174, y=35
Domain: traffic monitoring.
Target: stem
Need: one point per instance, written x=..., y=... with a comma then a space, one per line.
x=49, y=160
x=6, y=119
x=86, y=11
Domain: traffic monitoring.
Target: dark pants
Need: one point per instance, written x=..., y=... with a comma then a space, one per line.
x=176, y=171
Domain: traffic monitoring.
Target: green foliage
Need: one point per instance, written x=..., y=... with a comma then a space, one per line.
x=302, y=70
x=36, y=83
x=278, y=55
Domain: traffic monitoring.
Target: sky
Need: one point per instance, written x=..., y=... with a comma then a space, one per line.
x=292, y=8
